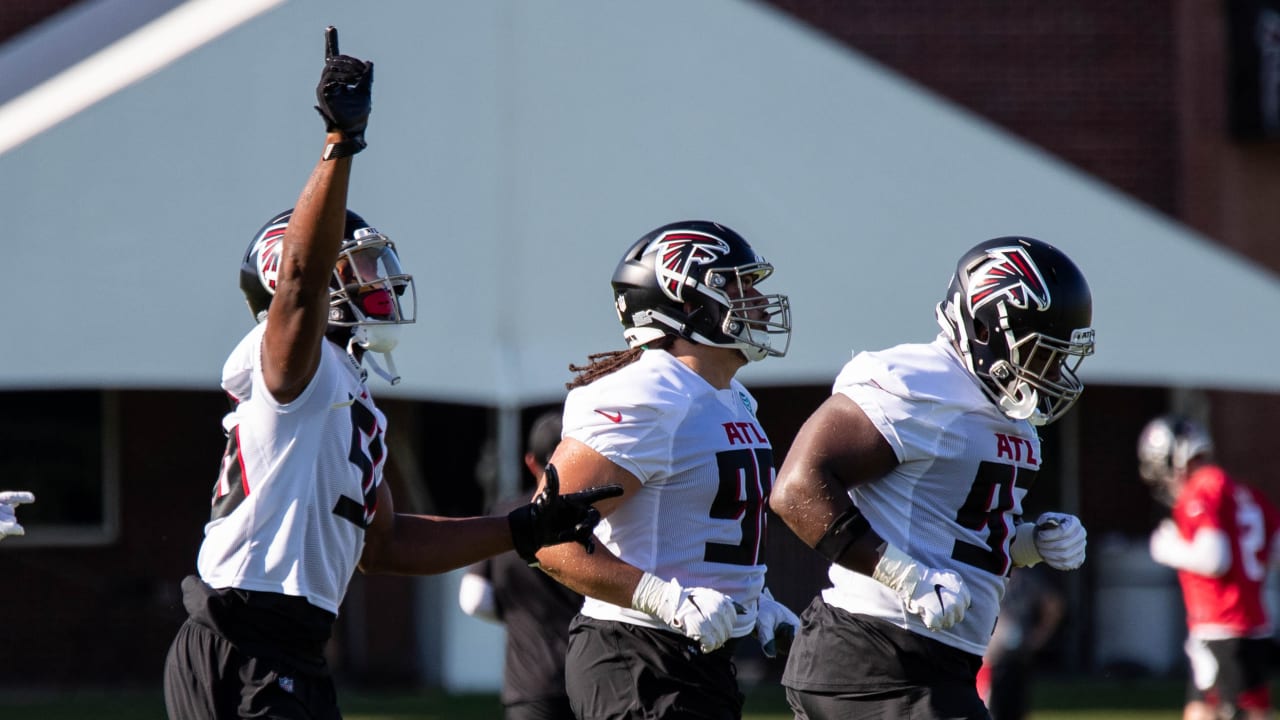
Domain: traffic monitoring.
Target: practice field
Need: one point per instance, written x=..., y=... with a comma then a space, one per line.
x=1053, y=700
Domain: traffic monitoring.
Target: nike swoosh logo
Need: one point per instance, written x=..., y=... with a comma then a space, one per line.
x=937, y=590
x=694, y=602
x=613, y=417
x=338, y=406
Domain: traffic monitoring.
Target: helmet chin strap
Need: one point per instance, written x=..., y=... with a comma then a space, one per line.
x=391, y=375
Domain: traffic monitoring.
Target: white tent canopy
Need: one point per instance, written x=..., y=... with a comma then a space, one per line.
x=516, y=149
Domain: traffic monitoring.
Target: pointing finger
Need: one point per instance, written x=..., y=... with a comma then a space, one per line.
x=330, y=42
x=596, y=494
x=552, y=485
x=16, y=497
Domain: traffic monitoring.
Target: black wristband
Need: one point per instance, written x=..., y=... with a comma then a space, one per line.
x=346, y=148
x=843, y=532
x=521, y=522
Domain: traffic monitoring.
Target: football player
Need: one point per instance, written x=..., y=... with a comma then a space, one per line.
x=910, y=480
x=679, y=577
x=300, y=502
x=1221, y=540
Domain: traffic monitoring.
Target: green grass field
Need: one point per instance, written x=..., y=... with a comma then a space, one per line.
x=1053, y=700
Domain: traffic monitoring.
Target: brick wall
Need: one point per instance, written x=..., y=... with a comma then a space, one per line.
x=1089, y=81
x=18, y=15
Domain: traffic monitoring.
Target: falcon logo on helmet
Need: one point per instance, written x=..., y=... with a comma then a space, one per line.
x=1008, y=273
x=678, y=253
x=269, y=256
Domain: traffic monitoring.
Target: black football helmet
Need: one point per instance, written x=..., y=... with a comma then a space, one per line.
x=676, y=280
x=1165, y=446
x=1020, y=313
x=369, y=295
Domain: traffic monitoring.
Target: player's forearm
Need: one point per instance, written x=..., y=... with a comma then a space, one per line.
x=1208, y=553
x=427, y=545
x=805, y=499
x=299, y=313
x=816, y=508
x=315, y=229
x=600, y=575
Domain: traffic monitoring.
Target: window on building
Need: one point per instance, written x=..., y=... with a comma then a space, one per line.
x=61, y=445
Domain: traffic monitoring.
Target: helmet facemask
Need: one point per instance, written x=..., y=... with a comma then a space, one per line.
x=750, y=321
x=371, y=295
x=1038, y=381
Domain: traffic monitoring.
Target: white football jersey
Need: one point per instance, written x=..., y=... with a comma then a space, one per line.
x=952, y=501
x=706, y=468
x=298, y=484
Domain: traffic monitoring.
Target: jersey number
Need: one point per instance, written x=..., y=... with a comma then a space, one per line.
x=363, y=424
x=746, y=477
x=231, y=489
x=990, y=498
x=1253, y=535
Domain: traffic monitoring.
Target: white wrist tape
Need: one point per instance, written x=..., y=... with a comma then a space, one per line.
x=898, y=571
x=1022, y=550
x=656, y=596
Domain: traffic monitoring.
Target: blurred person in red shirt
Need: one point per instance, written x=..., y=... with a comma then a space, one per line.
x=1221, y=540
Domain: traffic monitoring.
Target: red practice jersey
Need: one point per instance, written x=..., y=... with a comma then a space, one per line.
x=1231, y=605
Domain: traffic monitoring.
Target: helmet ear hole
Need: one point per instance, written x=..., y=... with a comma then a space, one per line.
x=980, y=332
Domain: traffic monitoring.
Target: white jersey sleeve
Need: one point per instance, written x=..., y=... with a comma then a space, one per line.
x=705, y=466
x=951, y=503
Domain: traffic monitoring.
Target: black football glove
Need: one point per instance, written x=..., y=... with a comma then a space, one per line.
x=345, y=97
x=553, y=518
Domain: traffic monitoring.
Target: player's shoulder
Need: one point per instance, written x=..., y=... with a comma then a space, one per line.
x=655, y=378
x=1217, y=478
x=923, y=371
x=336, y=375
x=237, y=370
x=646, y=392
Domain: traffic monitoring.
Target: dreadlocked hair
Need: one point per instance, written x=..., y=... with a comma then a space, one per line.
x=601, y=364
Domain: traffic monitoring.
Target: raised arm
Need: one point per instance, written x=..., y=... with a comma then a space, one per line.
x=298, y=315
